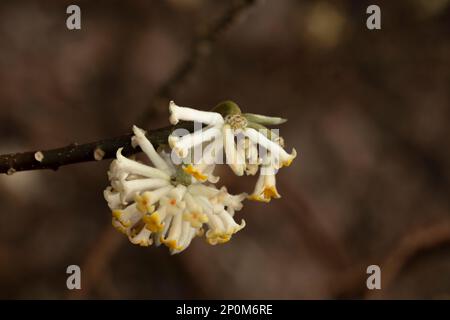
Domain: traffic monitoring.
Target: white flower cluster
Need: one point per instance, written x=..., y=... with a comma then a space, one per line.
x=170, y=204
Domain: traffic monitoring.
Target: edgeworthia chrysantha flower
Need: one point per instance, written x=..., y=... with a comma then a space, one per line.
x=246, y=141
x=174, y=199
x=162, y=204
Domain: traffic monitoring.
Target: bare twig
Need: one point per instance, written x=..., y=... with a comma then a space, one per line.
x=409, y=246
x=76, y=153
x=200, y=47
x=352, y=282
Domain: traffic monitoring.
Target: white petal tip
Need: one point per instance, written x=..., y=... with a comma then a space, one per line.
x=213, y=179
x=138, y=131
x=173, y=140
x=119, y=153
x=173, y=119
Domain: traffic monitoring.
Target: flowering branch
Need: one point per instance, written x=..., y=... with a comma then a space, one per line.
x=170, y=203
x=76, y=153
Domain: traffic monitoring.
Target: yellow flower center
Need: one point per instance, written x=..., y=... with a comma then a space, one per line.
x=153, y=222
x=191, y=170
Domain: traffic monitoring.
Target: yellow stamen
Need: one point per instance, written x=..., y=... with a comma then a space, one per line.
x=189, y=169
x=143, y=203
x=271, y=192
x=195, y=218
x=214, y=241
x=255, y=197
x=153, y=222
x=214, y=238
x=116, y=214
x=145, y=242
x=288, y=162
x=119, y=227
x=172, y=244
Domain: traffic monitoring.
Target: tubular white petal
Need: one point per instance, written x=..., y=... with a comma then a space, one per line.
x=151, y=197
x=178, y=113
x=215, y=223
x=191, y=235
x=142, y=238
x=230, y=225
x=190, y=203
x=202, y=190
x=160, y=235
x=115, y=172
x=181, y=152
x=213, y=153
x=232, y=156
x=183, y=144
x=119, y=226
x=252, y=152
x=208, y=170
x=259, y=188
x=149, y=150
x=235, y=201
x=179, y=191
x=128, y=216
x=130, y=188
x=176, y=209
x=168, y=160
x=203, y=169
x=194, y=212
x=175, y=228
x=270, y=189
x=187, y=234
x=222, y=228
x=172, y=240
x=112, y=197
x=251, y=169
x=275, y=149
x=206, y=204
x=175, y=196
x=162, y=210
x=265, y=188
x=240, y=151
x=219, y=198
x=134, y=167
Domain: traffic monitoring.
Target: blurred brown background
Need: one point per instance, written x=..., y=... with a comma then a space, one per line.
x=368, y=112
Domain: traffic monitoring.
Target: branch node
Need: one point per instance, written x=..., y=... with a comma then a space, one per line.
x=39, y=156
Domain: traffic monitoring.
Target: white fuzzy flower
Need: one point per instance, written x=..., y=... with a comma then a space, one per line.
x=243, y=155
x=162, y=204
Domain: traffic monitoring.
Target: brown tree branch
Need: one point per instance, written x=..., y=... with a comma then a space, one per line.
x=76, y=153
